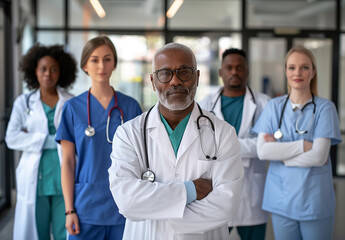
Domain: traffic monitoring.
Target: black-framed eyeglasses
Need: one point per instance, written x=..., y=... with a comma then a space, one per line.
x=184, y=74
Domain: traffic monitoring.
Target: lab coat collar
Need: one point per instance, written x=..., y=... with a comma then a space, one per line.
x=248, y=112
x=158, y=134
x=62, y=93
x=216, y=99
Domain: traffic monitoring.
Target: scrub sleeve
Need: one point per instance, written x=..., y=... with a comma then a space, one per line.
x=93, y=201
x=300, y=193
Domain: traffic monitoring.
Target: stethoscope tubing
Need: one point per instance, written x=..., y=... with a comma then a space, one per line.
x=278, y=134
x=198, y=126
x=220, y=94
x=109, y=114
x=29, y=111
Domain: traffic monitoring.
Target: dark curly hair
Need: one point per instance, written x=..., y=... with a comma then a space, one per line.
x=67, y=63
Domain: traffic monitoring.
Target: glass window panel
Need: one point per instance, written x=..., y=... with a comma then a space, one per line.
x=200, y=14
x=341, y=109
x=303, y=14
x=266, y=65
x=322, y=50
x=2, y=105
x=132, y=74
x=207, y=51
x=129, y=14
x=342, y=14
x=51, y=37
x=50, y=13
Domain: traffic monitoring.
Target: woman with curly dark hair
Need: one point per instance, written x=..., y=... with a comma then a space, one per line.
x=39, y=213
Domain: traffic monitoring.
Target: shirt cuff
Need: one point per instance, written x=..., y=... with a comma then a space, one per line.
x=50, y=142
x=191, y=192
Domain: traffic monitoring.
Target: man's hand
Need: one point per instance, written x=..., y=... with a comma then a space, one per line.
x=203, y=187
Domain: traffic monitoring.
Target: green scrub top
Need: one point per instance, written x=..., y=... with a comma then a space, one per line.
x=49, y=174
x=176, y=135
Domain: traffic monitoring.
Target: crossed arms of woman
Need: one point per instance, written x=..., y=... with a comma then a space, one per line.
x=301, y=153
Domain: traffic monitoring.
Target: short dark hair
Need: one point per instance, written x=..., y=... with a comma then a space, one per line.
x=234, y=51
x=67, y=64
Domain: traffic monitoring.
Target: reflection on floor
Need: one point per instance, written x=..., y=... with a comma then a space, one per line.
x=6, y=219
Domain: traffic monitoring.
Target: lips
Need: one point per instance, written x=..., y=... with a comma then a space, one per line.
x=179, y=90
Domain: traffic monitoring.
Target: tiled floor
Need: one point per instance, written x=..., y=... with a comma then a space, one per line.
x=6, y=219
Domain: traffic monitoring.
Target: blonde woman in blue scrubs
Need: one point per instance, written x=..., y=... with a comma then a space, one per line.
x=296, y=132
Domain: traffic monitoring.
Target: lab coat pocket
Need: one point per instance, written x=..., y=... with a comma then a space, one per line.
x=204, y=168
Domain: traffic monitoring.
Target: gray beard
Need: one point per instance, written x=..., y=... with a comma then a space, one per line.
x=177, y=106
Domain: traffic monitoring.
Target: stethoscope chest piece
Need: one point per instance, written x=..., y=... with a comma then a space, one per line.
x=278, y=134
x=29, y=112
x=90, y=131
x=148, y=175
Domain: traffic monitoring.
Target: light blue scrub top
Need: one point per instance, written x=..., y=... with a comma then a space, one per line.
x=93, y=201
x=300, y=193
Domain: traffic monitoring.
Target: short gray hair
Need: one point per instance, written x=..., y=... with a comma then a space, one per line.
x=170, y=46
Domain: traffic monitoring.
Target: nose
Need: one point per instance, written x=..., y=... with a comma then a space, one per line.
x=101, y=64
x=298, y=71
x=175, y=80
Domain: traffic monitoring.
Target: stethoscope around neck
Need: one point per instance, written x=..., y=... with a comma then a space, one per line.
x=29, y=111
x=90, y=131
x=148, y=174
x=278, y=134
x=220, y=94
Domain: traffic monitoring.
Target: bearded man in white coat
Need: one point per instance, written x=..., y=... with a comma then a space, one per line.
x=176, y=171
x=238, y=105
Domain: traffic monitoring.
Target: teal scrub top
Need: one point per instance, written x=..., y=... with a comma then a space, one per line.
x=49, y=174
x=232, y=108
x=176, y=135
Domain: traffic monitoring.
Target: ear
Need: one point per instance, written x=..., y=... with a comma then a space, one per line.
x=153, y=86
x=197, y=79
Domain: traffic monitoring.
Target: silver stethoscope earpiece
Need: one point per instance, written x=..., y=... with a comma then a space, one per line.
x=90, y=131
x=148, y=174
x=278, y=134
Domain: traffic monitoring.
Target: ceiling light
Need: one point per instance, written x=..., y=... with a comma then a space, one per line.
x=173, y=8
x=98, y=8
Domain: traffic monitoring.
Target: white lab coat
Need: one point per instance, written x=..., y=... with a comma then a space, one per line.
x=158, y=210
x=250, y=212
x=30, y=142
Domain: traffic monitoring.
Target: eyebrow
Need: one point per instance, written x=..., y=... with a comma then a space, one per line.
x=108, y=55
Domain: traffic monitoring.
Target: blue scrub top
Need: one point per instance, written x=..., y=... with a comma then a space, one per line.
x=300, y=193
x=92, y=198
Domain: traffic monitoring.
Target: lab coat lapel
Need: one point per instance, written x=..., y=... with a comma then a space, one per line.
x=63, y=97
x=39, y=115
x=190, y=134
x=157, y=134
x=216, y=99
x=248, y=112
